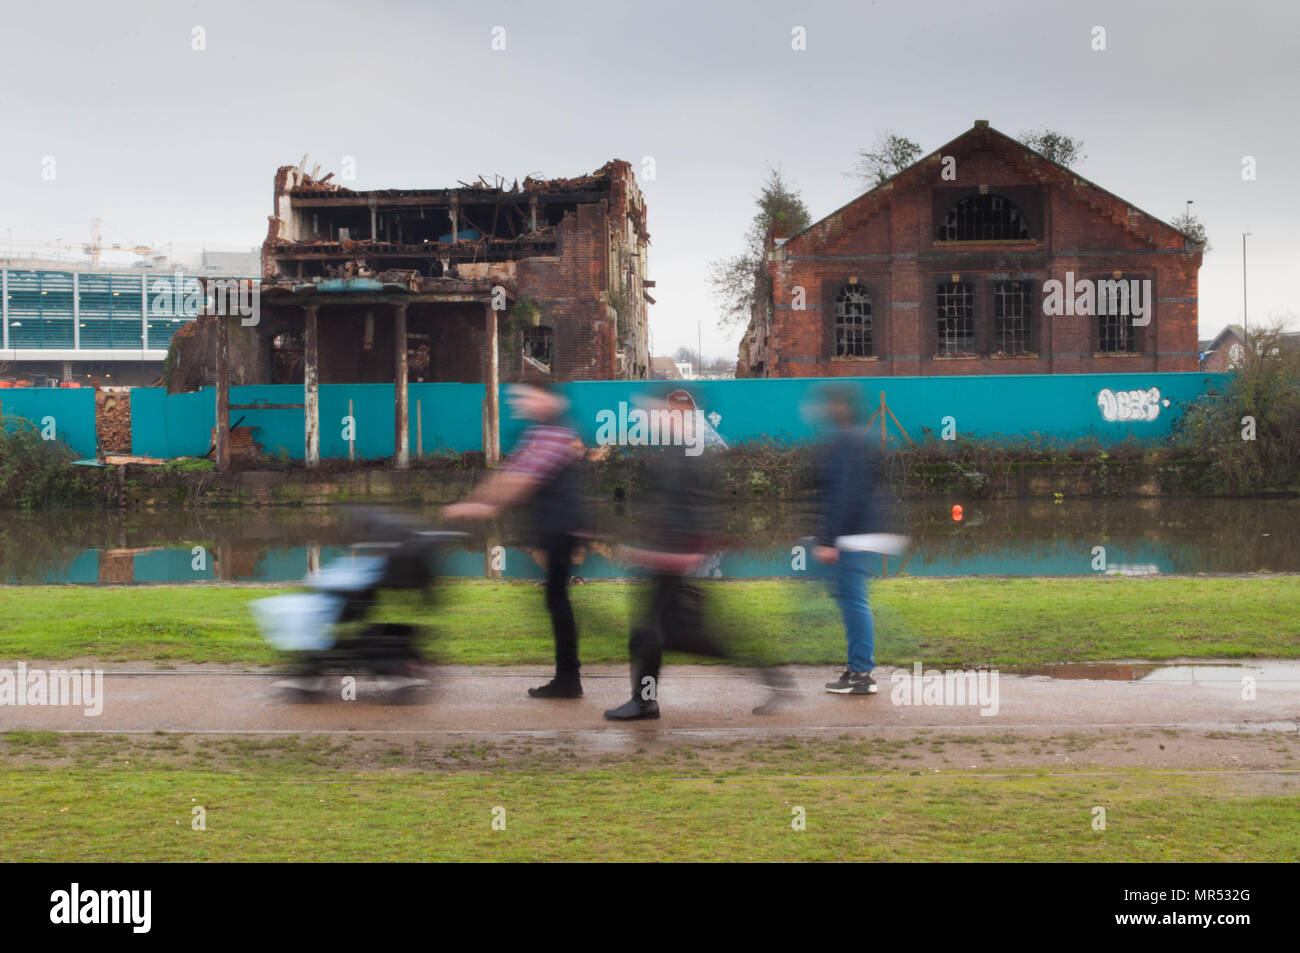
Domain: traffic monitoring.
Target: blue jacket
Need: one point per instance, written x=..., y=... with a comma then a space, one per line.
x=848, y=500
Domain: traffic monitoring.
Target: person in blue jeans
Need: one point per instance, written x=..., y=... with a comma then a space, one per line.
x=848, y=511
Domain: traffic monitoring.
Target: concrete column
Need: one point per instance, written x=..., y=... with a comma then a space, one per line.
x=402, y=413
x=491, y=383
x=532, y=213
x=223, y=395
x=144, y=314
x=311, y=388
x=455, y=219
x=4, y=307
x=76, y=311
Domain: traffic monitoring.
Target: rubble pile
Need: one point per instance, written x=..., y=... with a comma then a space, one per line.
x=113, y=419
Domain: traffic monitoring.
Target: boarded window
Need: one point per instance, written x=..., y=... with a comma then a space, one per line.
x=853, y=323
x=983, y=218
x=956, y=325
x=1011, y=318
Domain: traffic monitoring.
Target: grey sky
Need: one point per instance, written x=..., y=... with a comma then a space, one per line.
x=167, y=144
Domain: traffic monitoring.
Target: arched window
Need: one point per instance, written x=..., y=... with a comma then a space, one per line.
x=853, y=322
x=983, y=218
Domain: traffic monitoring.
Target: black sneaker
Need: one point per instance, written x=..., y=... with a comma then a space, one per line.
x=853, y=683
x=557, y=688
x=633, y=710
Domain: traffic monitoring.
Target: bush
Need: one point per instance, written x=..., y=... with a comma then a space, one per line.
x=38, y=473
x=1265, y=387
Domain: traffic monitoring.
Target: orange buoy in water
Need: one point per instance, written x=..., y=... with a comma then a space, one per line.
x=956, y=512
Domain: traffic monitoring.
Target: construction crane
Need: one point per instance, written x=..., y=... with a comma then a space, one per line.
x=96, y=244
x=93, y=248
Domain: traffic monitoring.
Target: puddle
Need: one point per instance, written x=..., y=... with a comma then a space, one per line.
x=1267, y=673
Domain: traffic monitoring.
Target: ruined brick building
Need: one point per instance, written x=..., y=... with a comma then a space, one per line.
x=947, y=267
x=567, y=258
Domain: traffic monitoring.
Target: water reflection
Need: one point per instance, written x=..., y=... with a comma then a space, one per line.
x=1014, y=538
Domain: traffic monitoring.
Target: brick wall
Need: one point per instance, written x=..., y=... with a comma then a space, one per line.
x=886, y=243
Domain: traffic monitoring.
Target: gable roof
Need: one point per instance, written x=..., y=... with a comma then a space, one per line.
x=1218, y=338
x=913, y=173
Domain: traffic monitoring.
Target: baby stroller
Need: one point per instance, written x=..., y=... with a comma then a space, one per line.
x=328, y=631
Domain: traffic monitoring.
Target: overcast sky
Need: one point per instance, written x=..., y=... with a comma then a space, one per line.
x=170, y=144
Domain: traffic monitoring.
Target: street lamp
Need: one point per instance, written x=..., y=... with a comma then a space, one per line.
x=1245, y=326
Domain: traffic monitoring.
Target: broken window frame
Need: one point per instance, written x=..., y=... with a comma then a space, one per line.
x=1013, y=330
x=955, y=319
x=853, y=323
x=539, y=337
x=985, y=217
x=1116, y=333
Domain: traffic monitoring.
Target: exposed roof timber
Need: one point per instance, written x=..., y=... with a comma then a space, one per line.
x=436, y=199
x=507, y=249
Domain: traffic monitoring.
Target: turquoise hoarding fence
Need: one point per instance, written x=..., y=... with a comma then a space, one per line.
x=60, y=413
x=1062, y=407
x=447, y=418
x=444, y=418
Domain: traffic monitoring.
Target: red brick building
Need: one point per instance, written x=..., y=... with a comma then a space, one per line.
x=1224, y=351
x=947, y=267
x=553, y=271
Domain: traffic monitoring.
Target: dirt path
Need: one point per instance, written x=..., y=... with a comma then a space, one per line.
x=693, y=699
x=1193, y=721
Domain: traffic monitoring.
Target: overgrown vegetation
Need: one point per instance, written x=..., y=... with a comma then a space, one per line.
x=1057, y=146
x=741, y=284
x=1247, y=428
x=37, y=473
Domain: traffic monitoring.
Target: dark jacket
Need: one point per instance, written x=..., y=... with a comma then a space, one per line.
x=848, y=500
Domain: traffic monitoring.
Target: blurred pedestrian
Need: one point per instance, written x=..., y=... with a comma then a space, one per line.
x=848, y=510
x=678, y=528
x=543, y=475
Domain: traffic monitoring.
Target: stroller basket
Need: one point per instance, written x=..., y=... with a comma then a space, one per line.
x=299, y=622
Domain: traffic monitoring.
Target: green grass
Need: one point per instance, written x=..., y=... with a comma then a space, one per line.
x=289, y=799
x=962, y=621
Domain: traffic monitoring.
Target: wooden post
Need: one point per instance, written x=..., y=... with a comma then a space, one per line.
x=491, y=383
x=402, y=412
x=882, y=423
x=352, y=434
x=311, y=388
x=223, y=394
x=419, y=432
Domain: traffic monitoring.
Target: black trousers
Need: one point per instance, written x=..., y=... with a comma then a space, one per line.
x=671, y=618
x=559, y=560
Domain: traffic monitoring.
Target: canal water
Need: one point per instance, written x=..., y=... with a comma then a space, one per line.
x=1002, y=538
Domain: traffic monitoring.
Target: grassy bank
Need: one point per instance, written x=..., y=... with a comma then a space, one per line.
x=292, y=799
x=945, y=621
